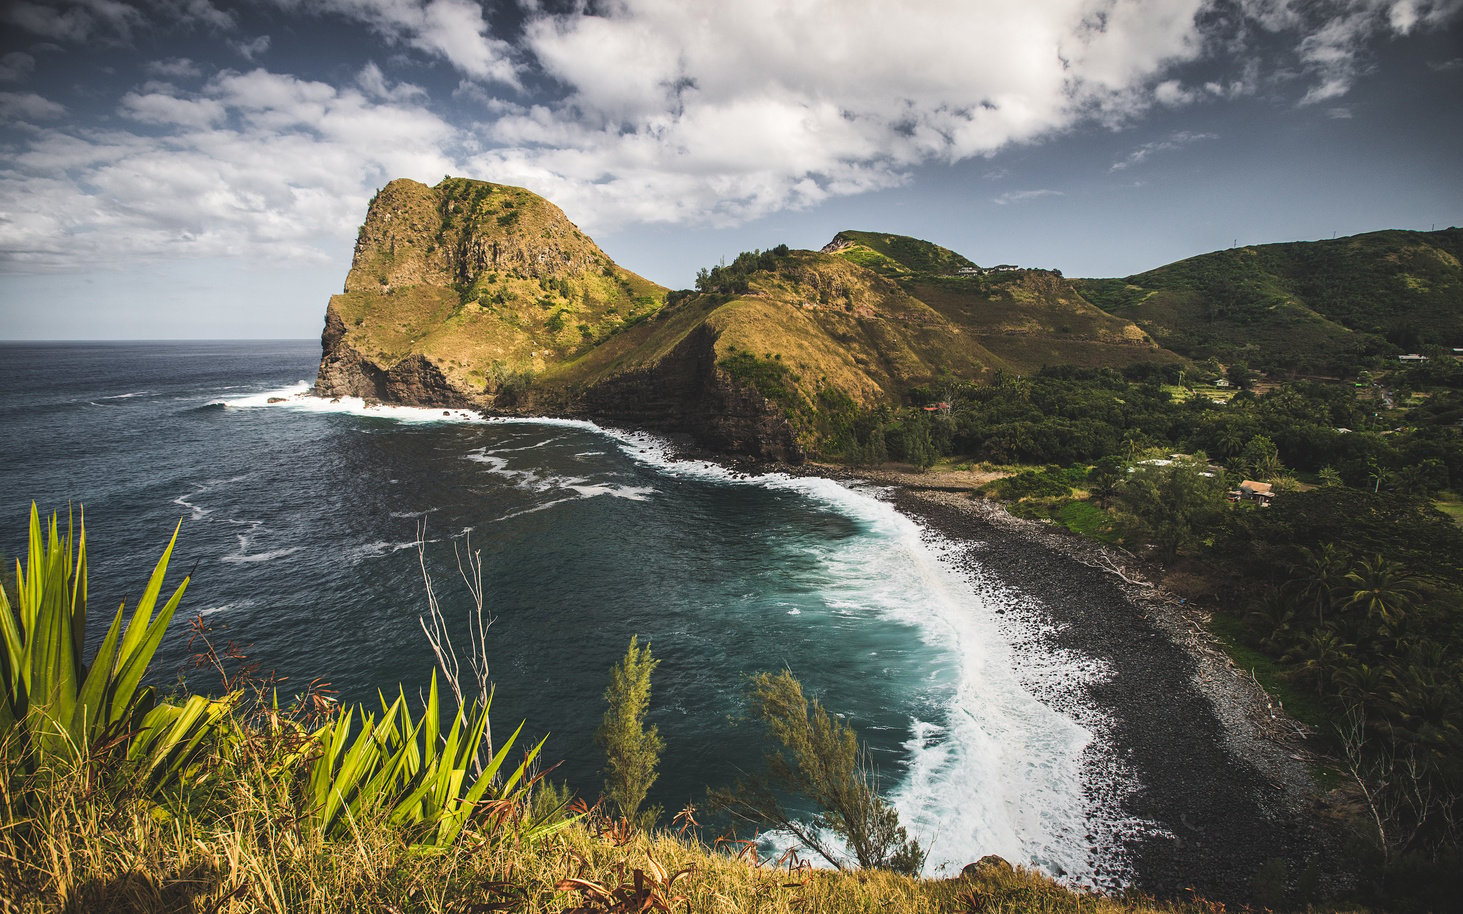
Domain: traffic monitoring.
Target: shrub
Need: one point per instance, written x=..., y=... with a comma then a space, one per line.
x=632, y=750
x=819, y=758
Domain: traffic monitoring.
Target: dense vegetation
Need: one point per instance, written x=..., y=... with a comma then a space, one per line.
x=1303, y=307
x=1346, y=589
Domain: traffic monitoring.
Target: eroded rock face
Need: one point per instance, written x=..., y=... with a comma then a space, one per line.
x=344, y=372
x=686, y=392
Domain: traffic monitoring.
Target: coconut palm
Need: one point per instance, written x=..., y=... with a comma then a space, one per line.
x=1319, y=574
x=1320, y=654
x=1364, y=685
x=1382, y=589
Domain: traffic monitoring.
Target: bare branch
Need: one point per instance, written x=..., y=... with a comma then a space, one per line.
x=434, y=626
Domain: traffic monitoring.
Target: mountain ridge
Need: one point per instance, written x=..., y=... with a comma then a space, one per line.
x=487, y=296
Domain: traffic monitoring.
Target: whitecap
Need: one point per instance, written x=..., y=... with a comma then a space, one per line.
x=255, y=557
x=196, y=512
x=378, y=549
x=299, y=397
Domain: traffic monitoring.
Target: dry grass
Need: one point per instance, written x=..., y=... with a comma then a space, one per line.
x=66, y=845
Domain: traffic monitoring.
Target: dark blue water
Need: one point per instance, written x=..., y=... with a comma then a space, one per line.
x=299, y=520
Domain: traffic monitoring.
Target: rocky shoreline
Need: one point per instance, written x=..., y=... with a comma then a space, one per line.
x=1223, y=783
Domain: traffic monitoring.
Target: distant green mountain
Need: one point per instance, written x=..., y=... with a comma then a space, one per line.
x=1317, y=306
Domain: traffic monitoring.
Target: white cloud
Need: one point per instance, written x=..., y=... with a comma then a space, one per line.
x=730, y=111
x=28, y=106
x=1018, y=196
x=454, y=30
x=16, y=66
x=112, y=20
x=1170, y=143
x=252, y=49
x=677, y=111
x=74, y=20
x=175, y=68
x=254, y=163
x=1334, y=35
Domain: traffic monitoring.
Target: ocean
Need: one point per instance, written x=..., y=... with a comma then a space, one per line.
x=299, y=521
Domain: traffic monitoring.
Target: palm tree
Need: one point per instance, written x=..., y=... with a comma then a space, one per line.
x=1318, y=574
x=1382, y=588
x=1321, y=653
x=1270, y=619
x=1231, y=439
x=1363, y=685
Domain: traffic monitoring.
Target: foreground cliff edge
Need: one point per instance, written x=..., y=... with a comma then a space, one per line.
x=483, y=295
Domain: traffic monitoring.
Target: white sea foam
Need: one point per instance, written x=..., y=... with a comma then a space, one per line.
x=298, y=397
x=195, y=511
x=378, y=549
x=224, y=609
x=536, y=479
x=1004, y=771
x=249, y=558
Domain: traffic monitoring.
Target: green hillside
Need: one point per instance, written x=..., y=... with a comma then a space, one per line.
x=1307, y=307
x=1028, y=319
x=478, y=294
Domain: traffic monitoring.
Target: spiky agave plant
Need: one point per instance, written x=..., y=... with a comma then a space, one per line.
x=413, y=772
x=57, y=707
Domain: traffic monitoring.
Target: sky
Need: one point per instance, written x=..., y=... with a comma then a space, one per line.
x=198, y=169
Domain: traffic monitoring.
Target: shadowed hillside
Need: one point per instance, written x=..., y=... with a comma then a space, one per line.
x=1317, y=306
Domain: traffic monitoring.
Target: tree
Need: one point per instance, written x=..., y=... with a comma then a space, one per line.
x=632, y=751
x=1175, y=505
x=1261, y=458
x=1317, y=576
x=1104, y=479
x=1240, y=376
x=1382, y=589
x=820, y=758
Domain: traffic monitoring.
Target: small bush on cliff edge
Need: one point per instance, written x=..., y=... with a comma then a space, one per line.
x=632, y=750
x=820, y=759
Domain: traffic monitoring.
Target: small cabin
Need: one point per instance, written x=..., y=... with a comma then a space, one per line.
x=1261, y=493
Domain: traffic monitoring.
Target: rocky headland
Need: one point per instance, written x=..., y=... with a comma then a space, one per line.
x=471, y=294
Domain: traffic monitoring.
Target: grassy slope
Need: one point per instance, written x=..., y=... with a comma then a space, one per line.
x=1313, y=305
x=243, y=851
x=830, y=322
x=1026, y=318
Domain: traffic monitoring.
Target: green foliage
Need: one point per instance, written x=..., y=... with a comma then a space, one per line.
x=1047, y=482
x=58, y=708
x=1173, y=507
x=900, y=254
x=819, y=758
x=410, y=770
x=735, y=278
x=632, y=750
x=768, y=376
x=1304, y=306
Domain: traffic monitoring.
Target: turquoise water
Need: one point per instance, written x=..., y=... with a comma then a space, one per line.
x=299, y=520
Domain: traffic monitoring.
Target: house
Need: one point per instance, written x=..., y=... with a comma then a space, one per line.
x=1258, y=492
x=1412, y=358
